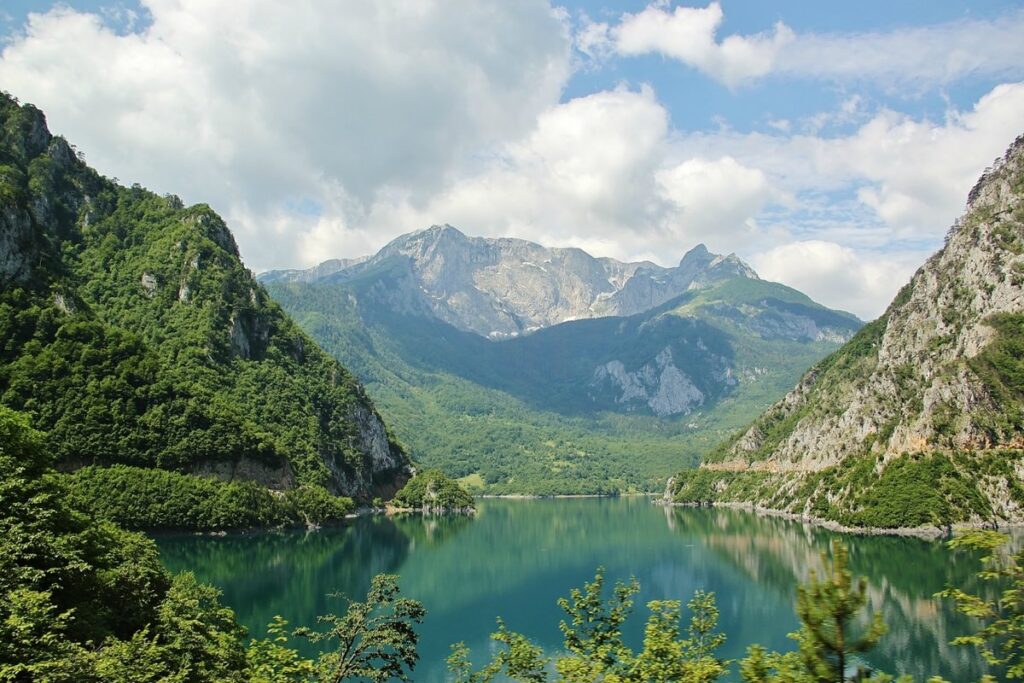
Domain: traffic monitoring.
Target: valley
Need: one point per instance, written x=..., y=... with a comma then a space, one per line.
x=604, y=404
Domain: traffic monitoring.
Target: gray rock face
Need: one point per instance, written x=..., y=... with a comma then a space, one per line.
x=660, y=385
x=16, y=246
x=278, y=477
x=916, y=391
x=380, y=456
x=501, y=288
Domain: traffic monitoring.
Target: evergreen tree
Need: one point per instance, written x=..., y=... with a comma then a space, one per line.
x=594, y=645
x=829, y=608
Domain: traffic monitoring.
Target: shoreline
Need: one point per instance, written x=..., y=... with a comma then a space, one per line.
x=929, y=533
x=533, y=496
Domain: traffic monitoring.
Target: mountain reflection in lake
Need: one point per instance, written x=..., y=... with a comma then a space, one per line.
x=517, y=557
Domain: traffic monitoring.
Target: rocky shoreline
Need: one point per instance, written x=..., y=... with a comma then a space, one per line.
x=924, y=532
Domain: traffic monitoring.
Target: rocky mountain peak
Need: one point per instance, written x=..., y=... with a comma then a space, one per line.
x=698, y=255
x=504, y=287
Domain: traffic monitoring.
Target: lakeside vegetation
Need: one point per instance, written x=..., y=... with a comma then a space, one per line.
x=83, y=600
x=132, y=333
x=431, y=490
x=150, y=499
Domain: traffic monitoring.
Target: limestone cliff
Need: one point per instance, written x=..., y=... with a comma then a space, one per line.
x=935, y=380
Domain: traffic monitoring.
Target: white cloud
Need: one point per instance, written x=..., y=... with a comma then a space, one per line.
x=253, y=103
x=584, y=173
x=593, y=174
x=396, y=116
x=716, y=199
x=688, y=34
x=837, y=276
x=915, y=56
x=593, y=39
x=924, y=55
x=909, y=176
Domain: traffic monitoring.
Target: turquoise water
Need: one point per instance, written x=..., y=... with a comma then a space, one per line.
x=517, y=557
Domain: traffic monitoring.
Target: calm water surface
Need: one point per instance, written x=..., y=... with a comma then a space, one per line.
x=517, y=557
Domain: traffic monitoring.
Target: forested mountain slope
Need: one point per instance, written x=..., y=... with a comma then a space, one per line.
x=919, y=419
x=586, y=406
x=132, y=333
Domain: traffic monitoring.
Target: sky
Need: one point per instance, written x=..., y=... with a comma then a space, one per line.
x=830, y=145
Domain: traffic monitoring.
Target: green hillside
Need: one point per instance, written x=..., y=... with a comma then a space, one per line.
x=526, y=415
x=132, y=333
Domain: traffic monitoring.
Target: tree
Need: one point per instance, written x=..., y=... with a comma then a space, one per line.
x=1001, y=638
x=828, y=609
x=377, y=639
x=594, y=632
x=271, y=660
x=594, y=645
x=667, y=657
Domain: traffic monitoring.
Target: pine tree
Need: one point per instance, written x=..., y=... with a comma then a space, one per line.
x=828, y=608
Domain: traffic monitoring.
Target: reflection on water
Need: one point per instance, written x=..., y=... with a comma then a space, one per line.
x=515, y=558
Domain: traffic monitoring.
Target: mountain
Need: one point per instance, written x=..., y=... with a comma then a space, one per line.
x=919, y=419
x=600, y=404
x=501, y=288
x=133, y=334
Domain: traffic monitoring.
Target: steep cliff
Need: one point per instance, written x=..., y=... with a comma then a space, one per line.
x=918, y=419
x=132, y=333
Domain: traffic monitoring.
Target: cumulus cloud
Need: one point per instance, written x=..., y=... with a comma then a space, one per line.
x=716, y=200
x=320, y=136
x=689, y=34
x=862, y=283
x=909, y=176
x=594, y=174
x=253, y=103
x=916, y=56
x=850, y=216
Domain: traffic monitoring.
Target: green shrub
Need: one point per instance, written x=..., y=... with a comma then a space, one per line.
x=433, y=489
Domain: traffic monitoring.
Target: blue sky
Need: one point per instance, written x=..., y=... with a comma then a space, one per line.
x=829, y=144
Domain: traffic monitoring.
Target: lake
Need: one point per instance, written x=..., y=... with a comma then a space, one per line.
x=517, y=557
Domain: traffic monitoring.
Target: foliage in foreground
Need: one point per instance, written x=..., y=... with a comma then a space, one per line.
x=86, y=601
x=83, y=601
x=142, y=498
x=433, y=490
x=830, y=608
x=1000, y=638
x=594, y=647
